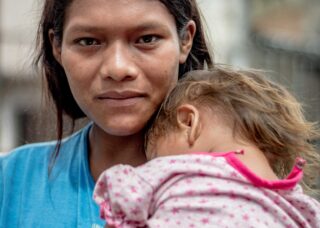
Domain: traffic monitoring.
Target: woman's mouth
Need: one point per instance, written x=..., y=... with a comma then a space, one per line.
x=120, y=99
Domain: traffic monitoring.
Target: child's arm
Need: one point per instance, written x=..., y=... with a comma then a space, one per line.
x=123, y=196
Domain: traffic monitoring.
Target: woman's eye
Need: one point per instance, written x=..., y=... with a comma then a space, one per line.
x=148, y=39
x=87, y=42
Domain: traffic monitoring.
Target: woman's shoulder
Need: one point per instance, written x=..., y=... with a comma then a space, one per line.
x=22, y=152
x=43, y=150
x=27, y=160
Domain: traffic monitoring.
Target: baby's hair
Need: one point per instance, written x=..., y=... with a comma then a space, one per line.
x=259, y=111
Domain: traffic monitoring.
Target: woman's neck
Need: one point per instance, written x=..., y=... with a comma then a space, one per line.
x=107, y=150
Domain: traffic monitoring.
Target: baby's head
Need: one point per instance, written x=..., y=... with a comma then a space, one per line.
x=208, y=108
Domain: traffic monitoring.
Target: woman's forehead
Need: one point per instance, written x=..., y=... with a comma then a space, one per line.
x=141, y=13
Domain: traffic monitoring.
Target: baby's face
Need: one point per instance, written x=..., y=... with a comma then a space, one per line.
x=171, y=144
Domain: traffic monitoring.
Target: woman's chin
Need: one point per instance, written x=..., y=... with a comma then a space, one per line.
x=122, y=129
x=124, y=132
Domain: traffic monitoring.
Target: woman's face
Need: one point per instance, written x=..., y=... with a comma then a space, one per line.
x=121, y=57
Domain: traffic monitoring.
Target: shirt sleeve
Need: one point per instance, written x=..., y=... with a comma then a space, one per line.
x=1, y=188
x=124, y=197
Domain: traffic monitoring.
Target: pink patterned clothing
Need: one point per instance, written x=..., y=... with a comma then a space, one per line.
x=202, y=190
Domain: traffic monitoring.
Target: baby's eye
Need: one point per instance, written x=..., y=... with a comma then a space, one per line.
x=148, y=39
x=87, y=41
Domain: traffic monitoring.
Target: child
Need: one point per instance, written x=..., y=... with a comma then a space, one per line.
x=221, y=149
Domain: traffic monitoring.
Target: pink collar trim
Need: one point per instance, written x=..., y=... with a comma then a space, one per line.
x=288, y=183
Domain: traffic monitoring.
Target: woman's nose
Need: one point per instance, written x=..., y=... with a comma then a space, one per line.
x=119, y=63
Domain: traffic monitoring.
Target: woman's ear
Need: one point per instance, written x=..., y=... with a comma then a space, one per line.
x=56, y=47
x=186, y=40
x=188, y=118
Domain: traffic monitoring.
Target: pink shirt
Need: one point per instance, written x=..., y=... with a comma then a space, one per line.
x=202, y=190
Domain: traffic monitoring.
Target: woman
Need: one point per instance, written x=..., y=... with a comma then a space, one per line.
x=112, y=61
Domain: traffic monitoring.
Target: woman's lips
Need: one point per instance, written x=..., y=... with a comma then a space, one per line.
x=120, y=99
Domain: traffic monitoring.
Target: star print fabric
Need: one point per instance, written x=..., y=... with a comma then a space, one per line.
x=200, y=191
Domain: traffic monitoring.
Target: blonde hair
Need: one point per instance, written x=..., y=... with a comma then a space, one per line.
x=261, y=111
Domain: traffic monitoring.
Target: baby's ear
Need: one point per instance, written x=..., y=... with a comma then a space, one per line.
x=188, y=118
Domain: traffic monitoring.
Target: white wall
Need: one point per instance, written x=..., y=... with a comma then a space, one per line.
x=18, y=23
x=228, y=29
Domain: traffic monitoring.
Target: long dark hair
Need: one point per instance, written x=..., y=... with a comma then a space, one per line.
x=53, y=16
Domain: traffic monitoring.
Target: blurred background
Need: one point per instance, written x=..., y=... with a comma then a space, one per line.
x=281, y=36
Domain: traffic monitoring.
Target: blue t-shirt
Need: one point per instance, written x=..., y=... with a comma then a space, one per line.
x=29, y=197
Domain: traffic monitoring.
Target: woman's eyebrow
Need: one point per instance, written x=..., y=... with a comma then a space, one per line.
x=135, y=27
x=83, y=28
x=150, y=26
